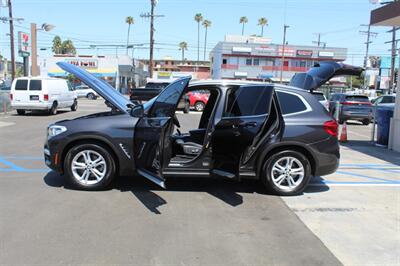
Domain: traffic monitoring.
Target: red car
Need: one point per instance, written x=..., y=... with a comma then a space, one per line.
x=198, y=100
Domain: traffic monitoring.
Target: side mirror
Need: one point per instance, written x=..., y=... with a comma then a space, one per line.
x=137, y=111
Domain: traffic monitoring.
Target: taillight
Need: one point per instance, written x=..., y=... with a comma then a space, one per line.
x=346, y=103
x=46, y=97
x=11, y=97
x=331, y=127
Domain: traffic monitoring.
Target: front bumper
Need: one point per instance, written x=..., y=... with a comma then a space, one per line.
x=52, y=157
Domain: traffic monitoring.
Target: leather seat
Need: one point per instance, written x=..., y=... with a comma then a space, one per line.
x=189, y=148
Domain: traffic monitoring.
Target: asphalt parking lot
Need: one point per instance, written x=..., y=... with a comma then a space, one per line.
x=351, y=217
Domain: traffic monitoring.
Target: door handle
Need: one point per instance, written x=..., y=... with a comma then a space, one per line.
x=248, y=124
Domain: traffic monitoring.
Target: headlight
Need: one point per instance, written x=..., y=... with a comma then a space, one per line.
x=55, y=130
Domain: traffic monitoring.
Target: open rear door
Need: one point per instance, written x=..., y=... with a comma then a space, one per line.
x=152, y=137
x=322, y=72
x=247, y=122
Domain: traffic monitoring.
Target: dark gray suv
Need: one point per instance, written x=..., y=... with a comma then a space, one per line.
x=278, y=134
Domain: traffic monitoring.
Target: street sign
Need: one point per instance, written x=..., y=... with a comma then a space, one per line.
x=23, y=44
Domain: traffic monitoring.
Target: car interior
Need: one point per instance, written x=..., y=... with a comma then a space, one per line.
x=188, y=142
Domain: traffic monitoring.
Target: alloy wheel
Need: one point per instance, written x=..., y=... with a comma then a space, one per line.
x=287, y=173
x=88, y=167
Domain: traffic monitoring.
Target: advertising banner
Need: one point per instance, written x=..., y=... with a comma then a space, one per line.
x=23, y=44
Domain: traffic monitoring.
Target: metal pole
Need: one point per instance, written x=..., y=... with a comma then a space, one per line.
x=283, y=50
x=11, y=40
x=34, y=66
x=151, y=38
x=366, y=56
x=26, y=66
x=392, y=61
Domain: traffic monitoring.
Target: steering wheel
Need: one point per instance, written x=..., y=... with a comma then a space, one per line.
x=176, y=121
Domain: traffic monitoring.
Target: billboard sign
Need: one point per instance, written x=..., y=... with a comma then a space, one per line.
x=304, y=53
x=23, y=44
x=83, y=63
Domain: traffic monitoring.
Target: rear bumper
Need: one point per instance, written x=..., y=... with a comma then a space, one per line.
x=349, y=115
x=326, y=155
x=31, y=106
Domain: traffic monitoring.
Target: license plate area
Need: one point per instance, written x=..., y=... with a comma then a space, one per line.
x=34, y=97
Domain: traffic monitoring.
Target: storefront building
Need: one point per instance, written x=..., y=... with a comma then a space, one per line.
x=389, y=16
x=255, y=58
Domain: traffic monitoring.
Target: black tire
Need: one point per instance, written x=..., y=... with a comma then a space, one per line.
x=341, y=121
x=53, y=109
x=20, y=112
x=91, y=96
x=266, y=173
x=199, y=106
x=366, y=122
x=186, y=109
x=74, y=107
x=110, y=164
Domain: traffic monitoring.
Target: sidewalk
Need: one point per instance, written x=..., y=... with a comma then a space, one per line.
x=356, y=211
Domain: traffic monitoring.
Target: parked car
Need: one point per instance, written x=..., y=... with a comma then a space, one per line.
x=83, y=91
x=151, y=90
x=320, y=96
x=384, y=99
x=42, y=93
x=198, y=100
x=352, y=107
x=278, y=134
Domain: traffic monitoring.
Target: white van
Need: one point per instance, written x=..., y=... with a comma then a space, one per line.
x=42, y=93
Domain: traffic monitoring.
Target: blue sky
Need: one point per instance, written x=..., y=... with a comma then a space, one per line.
x=89, y=22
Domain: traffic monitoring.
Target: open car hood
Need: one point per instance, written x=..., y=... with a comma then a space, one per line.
x=111, y=95
x=320, y=73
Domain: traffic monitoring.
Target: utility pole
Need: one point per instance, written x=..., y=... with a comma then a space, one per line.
x=318, y=41
x=393, y=58
x=34, y=66
x=283, y=50
x=11, y=40
x=369, y=34
x=151, y=16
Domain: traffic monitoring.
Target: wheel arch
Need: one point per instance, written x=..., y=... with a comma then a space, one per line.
x=287, y=146
x=91, y=140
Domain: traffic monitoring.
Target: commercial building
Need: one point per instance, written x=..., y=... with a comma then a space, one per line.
x=119, y=71
x=389, y=16
x=256, y=58
x=168, y=68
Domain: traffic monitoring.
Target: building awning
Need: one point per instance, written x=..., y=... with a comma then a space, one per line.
x=388, y=15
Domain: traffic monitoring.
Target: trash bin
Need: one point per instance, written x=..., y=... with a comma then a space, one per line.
x=383, y=116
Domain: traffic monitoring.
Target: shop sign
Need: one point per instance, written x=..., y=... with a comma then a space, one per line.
x=164, y=74
x=325, y=54
x=304, y=53
x=23, y=44
x=265, y=49
x=241, y=49
x=240, y=74
x=83, y=63
x=288, y=51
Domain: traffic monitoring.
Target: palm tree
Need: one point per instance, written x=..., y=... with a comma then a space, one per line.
x=206, y=24
x=198, y=18
x=183, y=46
x=243, y=20
x=130, y=21
x=57, y=45
x=68, y=47
x=262, y=22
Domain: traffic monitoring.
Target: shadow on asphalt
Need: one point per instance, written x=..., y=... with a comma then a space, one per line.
x=40, y=113
x=372, y=150
x=145, y=191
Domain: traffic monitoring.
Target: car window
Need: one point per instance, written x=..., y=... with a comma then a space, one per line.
x=388, y=99
x=21, y=85
x=248, y=101
x=319, y=96
x=35, y=85
x=290, y=103
x=357, y=98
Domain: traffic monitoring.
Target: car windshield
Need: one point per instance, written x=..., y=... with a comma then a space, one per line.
x=357, y=98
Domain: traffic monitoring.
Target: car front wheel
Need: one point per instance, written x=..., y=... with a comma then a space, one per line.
x=286, y=173
x=199, y=106
x=89, y=167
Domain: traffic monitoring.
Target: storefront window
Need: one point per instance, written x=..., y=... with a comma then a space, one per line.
x=256, y=62
x=248, y=62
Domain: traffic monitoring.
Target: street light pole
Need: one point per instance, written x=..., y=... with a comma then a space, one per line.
x=283, y=50
x=11, y=40
x=34, y=66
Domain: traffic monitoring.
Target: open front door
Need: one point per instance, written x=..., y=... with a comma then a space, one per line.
x=247, y=122
x=152, y=139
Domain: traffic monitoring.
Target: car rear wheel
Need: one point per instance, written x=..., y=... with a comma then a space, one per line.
x=199, y=106
x=53, y=109
x=74, y=107
x=366, y=122
x=91, y=96
x=20, y=111
x=90, y=167
x=286, y=173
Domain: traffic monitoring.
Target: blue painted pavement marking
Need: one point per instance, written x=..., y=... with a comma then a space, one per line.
x=15, y=168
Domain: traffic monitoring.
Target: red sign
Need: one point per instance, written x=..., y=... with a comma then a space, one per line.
x=306, y=53
x=288, y=51
x=23, y=43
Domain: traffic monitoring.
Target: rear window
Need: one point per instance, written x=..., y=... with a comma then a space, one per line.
x=35, y=85
x=357, y=98
x=319, y=96
x=248, y=101
x=21, y=85
x=290, y=103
